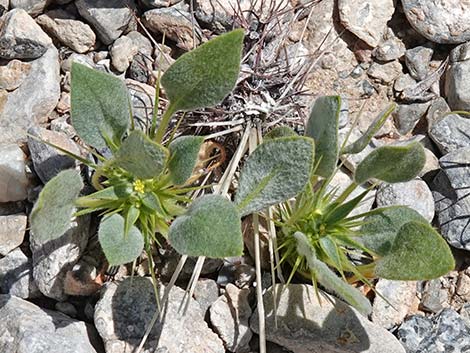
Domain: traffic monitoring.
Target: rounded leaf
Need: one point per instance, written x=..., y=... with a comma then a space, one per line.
x=118, y=247
x=183, y=157
x=322, y=126
x=392, y=164
x=140, y=156
x=277, y=170
x=211, y=227
x=53, y=210
x=204, y=76
x=417, y=253
x=99, y=106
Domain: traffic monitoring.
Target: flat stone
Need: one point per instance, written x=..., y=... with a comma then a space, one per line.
x=27, y=328
x=32, y=7
x=13, y=179
x=53, y=259
x=460, y=53
x=414, y=194
x=206, y=293
x=385, y=73
x=451, y=197
x=109, y=18
x=33, y=101
x=176, y=24
x=444, y=333
x=457, y=87
x=230, y=316
x=13, y=74
x=366, y=19
x=49, y=161
x=126, y=308
x=70, y=32
x=21, y=37
x=12, y=230
x=444, y=22
x=408, y=115
x=389, y=50
x=304, y=325
x=399, y=299
x=417, y=61
x=450, y=133
x=16, y=275
x=434, y=296
x=122, y=53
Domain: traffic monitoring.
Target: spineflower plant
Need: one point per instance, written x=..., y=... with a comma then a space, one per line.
x=320, y=236
x=141, y=188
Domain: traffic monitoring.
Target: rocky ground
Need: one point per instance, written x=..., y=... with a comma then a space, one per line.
x=55, y=296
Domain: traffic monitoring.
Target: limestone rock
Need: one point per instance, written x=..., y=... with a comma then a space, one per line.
x=47, y=160
x=70, y=32
x=21, y=37
x=53, y=259
x=16, y=275
x=26, y=328
x=32, y=7
x=12, y=230
x=457, y=87
x=366, y=19
x=450, y=133
x=444, y=22
x=307, y=326
x=414, y=194
x=126, y=308
x=13, y=74
x=109, y=17
x=206, y=293
x=13, y=179
x=33, y=101
x=230, y=316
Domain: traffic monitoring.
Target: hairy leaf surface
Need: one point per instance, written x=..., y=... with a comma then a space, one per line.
x=183, y=157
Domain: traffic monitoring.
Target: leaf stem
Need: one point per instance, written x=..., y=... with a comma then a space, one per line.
x=164, y=122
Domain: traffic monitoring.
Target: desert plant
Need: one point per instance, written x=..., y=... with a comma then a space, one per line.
x=319, y=237
x=141, y=188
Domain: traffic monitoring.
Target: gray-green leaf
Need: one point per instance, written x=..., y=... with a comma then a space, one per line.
x=279, y=131
x=53, y=210
x=118, y=248
x=417, y=253
x=183, y=157
x=392, y=164
x=325, y=276
x=211, y=227
x=322, y=126
x=99, y=106
x=205, y=75
x=361, y=143
x=380, y=229
x=276, y=171
x=140, y=156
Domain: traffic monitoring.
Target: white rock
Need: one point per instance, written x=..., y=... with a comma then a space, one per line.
x=13, y=179
x=122, y=52
x=366, y=19
x=12, y=229
x=414, y=194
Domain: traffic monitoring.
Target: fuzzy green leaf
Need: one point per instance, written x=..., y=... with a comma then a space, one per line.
x=211, y=227
x=183, y=157
x=205, y=75
x=380, y=229
x=276, y=171
x=53, y=210
x=418, y=253
x=363, y=141
x=280, y=131
x=99, y=106
x=322, y=126
x=324, y=275
x=118, y=248
x=140, y=156
x=392, y=164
